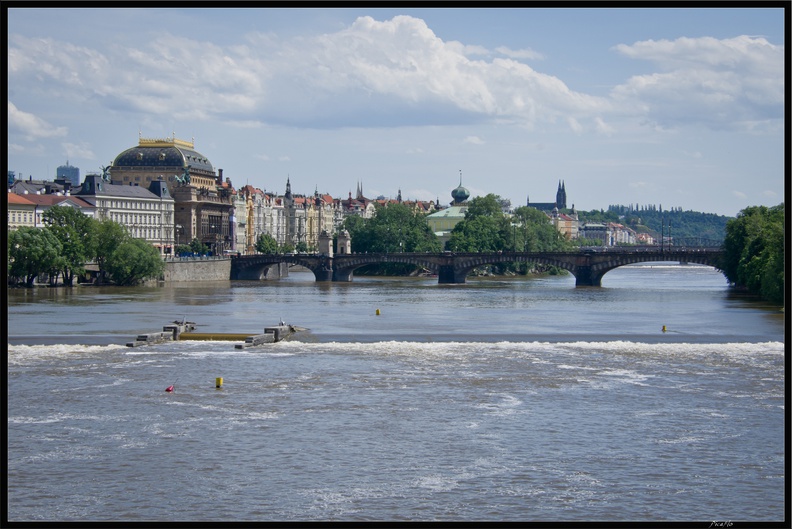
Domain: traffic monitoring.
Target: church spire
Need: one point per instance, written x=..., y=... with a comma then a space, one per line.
x=561, y=195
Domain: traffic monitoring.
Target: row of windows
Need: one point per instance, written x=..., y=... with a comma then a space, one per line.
x=146, y=233
x=25, y=217
x=128, y=204
x=134, y=218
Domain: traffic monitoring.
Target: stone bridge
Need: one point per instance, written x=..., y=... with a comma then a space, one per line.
x=588, y=266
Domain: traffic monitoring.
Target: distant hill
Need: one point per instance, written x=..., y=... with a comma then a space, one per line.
x=651, y=219
x=682, y=224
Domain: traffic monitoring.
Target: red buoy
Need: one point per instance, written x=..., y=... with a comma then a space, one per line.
x=169, y=389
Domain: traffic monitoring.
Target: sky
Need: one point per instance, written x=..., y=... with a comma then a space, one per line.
x=677, y=108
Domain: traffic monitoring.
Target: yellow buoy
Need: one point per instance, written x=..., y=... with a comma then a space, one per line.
x=664, y=328
x=218, y=382
x=378, y=312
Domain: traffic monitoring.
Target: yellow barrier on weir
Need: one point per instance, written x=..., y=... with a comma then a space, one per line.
x=214, y=336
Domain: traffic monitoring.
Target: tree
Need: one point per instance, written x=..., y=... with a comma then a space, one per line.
x=754, y=251
x=266, y=243
x=108, y=235
x=198, y=247
x=485, y=227
x=538, y=234
x=75, y=232
x=393, y=228
x=133, y=261
x=480, y=234
x=487, y=206
x=32, y=251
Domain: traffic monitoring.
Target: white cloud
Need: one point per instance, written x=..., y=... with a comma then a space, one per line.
x=419, y=194
x=370, y=73
x=721, y=83
x=739, y=194
x=31, y=127
x=575, y=125
x=475, y=140
x=602, y=127
x=519, y=54
x=81, y=150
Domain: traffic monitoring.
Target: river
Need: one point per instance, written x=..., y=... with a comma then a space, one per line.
x=502, y=399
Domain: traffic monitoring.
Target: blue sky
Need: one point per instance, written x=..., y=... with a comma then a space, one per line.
x=677, y=107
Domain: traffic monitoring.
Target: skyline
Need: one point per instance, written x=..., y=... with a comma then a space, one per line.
x=672, y=107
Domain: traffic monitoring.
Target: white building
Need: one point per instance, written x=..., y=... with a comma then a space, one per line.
x=146, y=213
x=27, y=209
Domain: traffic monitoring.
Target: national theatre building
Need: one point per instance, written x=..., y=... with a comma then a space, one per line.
x=204, y=207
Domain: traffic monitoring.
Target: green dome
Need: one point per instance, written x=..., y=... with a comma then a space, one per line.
x=460, y=194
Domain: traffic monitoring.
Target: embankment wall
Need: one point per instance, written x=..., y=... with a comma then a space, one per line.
x=211, y=270
x=197, y=270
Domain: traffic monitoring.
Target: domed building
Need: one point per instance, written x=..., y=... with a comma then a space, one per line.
x=442, y=222
x=204, y=208
x=176, y=161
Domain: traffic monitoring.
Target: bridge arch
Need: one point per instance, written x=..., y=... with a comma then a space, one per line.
x=695, y=256
x=256, y=267
x=345, y=265
x=467, y=262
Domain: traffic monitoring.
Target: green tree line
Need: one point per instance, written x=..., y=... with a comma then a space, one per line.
x=69, y=240
x=754, y=252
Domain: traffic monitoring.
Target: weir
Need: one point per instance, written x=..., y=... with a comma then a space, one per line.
x=184, y=330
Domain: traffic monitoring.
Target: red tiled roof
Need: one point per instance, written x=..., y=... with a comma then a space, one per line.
x=54, y=200
x=13, y=198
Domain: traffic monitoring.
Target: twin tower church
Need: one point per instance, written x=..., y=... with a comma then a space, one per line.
x=560, y=201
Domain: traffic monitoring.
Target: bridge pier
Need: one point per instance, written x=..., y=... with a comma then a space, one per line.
x=342, y=276
x=584, y=277
x=447, y=275
x=323, y=275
